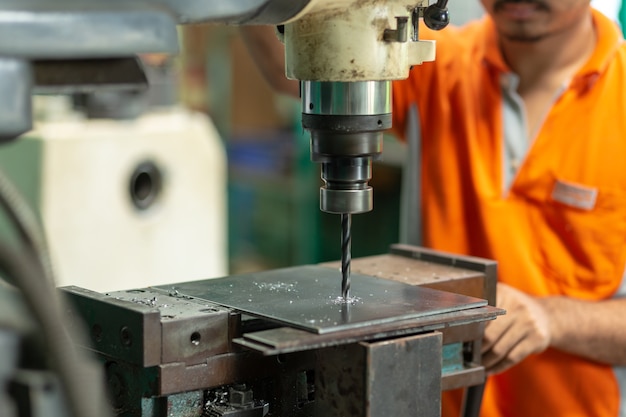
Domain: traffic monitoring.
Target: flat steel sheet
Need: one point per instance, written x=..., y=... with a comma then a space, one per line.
x=308, y=298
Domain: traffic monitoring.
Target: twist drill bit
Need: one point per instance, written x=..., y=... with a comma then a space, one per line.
x=346, y=253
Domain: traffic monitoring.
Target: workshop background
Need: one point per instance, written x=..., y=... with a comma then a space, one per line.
x=269, y=162
x=206, y=174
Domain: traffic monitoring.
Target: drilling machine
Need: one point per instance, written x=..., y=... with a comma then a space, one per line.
x=345, y=56
x=274, y=342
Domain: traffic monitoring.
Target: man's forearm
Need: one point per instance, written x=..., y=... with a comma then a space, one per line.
x=591, y=329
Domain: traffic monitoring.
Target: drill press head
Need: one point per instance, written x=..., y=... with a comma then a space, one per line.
x=346, y=53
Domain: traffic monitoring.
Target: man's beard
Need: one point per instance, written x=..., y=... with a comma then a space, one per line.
x=524, y=39
x=520, y=36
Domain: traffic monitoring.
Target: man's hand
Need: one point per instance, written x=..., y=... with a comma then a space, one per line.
x=522, y=331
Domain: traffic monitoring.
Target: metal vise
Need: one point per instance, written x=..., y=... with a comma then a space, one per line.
x=279, y=342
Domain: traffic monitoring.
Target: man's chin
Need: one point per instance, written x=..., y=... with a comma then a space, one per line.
x=522, y=33
x=523, y=38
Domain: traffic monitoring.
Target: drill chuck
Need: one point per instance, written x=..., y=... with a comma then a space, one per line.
x=346, y=161
x=346, y=121
x=346, y=188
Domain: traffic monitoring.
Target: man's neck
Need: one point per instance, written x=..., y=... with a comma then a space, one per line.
x=552, y=59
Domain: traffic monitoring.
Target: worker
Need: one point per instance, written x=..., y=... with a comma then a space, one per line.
x=523, y=154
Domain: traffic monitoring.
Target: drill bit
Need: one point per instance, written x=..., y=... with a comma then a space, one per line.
x=346, y=253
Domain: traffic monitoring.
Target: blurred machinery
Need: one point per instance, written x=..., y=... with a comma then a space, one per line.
x=125, y=202
x=283, y=342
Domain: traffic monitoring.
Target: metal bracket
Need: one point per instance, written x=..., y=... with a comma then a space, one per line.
x=400, y=33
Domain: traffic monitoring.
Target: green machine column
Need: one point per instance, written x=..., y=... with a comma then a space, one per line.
x=622, y=17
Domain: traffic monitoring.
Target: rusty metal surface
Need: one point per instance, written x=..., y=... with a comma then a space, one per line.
x=148, y=328
x=414, y=360
x=287, y=339
x=399, y=377
x=227, y=369
x=416, y=272
x=119, y=328
x=308, y=297
x=485, y=266
x=407, y=270
x=468, y=331
x=468, y=376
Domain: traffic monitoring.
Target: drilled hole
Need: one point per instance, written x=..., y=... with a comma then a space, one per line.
x=126, y=336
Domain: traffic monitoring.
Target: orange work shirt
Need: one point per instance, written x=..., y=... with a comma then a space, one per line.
x=560, y=228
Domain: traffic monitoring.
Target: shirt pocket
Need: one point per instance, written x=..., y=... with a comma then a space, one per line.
x=581, y=246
